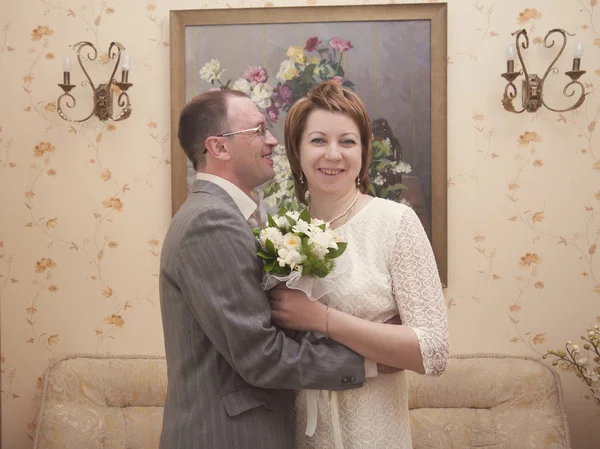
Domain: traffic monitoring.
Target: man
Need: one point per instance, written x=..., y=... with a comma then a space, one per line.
x=231, y=374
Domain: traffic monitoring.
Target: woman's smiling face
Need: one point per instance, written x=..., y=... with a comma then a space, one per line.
x=330, y=152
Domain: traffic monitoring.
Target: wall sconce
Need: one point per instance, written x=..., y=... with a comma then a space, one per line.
x=532, y=86
x=103, y=94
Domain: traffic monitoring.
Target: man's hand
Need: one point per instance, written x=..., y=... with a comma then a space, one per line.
x=384, y=369
x=291, y=309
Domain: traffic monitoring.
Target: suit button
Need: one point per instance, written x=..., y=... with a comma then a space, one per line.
x=352, y=379
x=345, y=380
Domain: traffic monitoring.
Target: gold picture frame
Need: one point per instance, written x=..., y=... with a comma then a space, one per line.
x=433, y=16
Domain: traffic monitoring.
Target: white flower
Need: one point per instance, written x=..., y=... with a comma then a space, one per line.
x=322, y=242
x=378, y=181
x=211, y=71
x=289, y=257
x=387, y=142
x=576, y=348
x=301, y=227
x=592, y=375
x=324, y=239
x=582, y=361
x=242, y=85
x=320, y=251
x=292, y=241
x=261, y=95
x=317, y=222
x=282, y=222
x=401, y=167
x=287, y=70
x=282, y=253
x=273, y=234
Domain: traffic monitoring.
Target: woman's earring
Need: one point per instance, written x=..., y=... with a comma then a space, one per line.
x=301, y=178
x=357, y=181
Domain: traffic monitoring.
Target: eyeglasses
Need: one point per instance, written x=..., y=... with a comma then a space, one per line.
x=260, y=130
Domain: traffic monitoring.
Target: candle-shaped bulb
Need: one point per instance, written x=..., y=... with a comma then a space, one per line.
x=66, y=64
x=126, y=63
x=578, y=50
x=510, y=52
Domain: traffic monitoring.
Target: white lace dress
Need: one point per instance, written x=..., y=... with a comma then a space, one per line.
x=393, y=271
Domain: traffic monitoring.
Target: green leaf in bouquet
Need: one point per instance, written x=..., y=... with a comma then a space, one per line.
x=268, y=267
x=282, y=211
x=272, y=222
x=314, y=267
x=322, y=227
x=305, y=215
x=372, y=189
x=256, y=232
x=333, y=253
x=265, y=256
x=291, y=220
x=270, y=247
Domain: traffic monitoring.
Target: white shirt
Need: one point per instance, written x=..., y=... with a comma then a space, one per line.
x=245, y=204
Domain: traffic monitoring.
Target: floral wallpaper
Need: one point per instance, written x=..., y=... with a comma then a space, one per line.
x=85, y=206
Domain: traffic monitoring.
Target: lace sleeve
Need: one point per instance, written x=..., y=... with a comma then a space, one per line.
x=418, y=292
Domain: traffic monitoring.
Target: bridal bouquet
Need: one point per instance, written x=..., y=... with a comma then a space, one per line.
x=299, y=251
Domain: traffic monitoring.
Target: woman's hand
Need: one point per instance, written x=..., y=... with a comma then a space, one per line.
x=291, y=309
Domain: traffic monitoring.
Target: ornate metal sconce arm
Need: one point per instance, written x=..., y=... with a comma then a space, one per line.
x=103, y=94
x=510, y=91
x=533, y=85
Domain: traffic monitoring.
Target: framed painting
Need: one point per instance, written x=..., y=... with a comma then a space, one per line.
x=392, y=56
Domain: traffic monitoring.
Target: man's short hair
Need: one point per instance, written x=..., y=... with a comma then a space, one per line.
x=204, y=116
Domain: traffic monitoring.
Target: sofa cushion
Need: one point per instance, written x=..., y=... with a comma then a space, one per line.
x=481, y=401
x=488, y=401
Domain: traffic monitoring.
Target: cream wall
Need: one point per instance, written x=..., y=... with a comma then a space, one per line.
x=84, y=209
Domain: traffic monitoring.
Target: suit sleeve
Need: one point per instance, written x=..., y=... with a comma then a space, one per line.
x=221, y=281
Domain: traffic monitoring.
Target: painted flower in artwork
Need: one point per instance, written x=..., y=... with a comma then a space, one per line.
x=340, y=44
x=312, y=43
x=295, y=77
x=288, y=70
x=211, y=71
x=243, y=85
x=255, y=74
x=261, y=95
x=253, y=82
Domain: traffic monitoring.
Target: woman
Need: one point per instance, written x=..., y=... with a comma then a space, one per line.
x=328, y=143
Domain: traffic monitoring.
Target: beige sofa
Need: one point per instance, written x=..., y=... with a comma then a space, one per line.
x=481, y=401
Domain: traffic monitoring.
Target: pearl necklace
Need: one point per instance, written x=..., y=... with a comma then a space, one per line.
x=348, y=209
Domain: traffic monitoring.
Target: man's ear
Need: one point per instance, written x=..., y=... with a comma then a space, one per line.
x=217, y=148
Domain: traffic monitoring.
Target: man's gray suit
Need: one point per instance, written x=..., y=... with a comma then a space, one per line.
x=231, y=374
